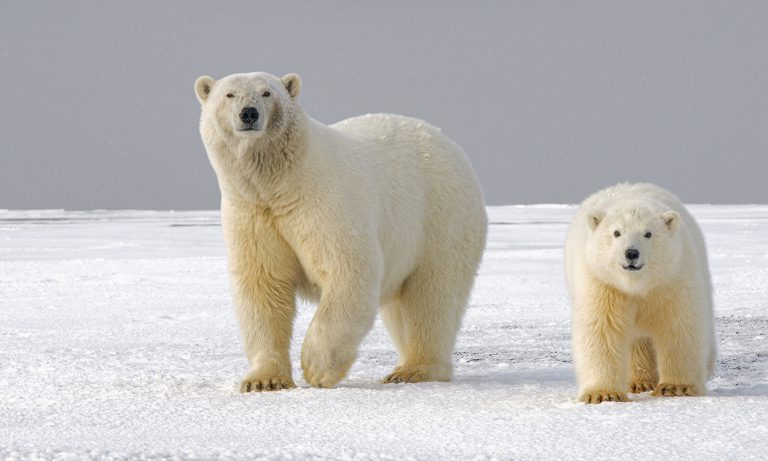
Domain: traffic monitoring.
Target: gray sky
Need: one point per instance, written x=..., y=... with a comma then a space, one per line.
x=550, y=100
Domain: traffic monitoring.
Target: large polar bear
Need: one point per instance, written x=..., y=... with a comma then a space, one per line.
x=638, y=278
x=377, y=210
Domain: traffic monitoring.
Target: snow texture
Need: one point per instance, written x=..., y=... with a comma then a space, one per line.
x=118, y=340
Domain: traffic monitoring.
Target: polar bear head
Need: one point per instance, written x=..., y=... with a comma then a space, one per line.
x=634, y=247
x=247, y=107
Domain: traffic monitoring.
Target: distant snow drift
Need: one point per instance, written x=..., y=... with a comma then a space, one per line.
x=118, y=340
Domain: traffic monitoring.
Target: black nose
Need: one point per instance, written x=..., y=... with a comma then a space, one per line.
x=632, y=254
x=249, y=115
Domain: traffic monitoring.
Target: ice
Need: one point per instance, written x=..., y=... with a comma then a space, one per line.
x=118, y=340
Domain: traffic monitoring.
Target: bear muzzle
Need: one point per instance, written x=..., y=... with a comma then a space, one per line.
x=633, y=263
x=249, y=116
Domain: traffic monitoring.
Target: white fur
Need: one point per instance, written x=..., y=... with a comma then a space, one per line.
x=378, y=210
x=643, y=329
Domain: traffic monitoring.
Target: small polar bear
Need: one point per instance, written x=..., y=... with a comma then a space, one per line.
x=374, y=211
x=638, y=278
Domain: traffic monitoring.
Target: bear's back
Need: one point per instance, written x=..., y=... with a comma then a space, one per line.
x=397, y=146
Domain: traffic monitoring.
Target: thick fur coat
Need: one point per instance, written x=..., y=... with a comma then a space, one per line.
x=377, y=211
x=638, y=277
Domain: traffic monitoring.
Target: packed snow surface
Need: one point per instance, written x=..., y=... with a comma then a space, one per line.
x=118, y=340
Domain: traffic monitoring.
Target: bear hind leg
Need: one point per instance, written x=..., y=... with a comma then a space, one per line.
x=645, y=375
x=393, y=321
x=424, y=323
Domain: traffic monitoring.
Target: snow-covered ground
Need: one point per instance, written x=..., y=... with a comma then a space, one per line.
x=117, y=340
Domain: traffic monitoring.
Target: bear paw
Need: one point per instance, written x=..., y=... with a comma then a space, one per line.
x=676, y=390
x=260, y=379
x=415, y=374
x=326, y=368
x=599, y=396
x=638, y=387
x=266, y=384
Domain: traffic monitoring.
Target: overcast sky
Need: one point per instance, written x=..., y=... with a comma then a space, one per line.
x=550, y=100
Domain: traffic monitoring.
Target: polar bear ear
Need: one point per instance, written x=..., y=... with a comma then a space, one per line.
x=670, y=219
x=203, y=87
x=292, y=83
x=595, y=218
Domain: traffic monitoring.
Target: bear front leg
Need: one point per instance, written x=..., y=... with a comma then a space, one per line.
x=601, y=350
x=681, y=357
x=266, y=321
x=263, y=271
x=342, y=319
x=681, y=342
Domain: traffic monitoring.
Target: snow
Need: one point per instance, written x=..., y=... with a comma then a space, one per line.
x=118, y=340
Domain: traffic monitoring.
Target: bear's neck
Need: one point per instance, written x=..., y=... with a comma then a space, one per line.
x=264, y=170
x=274, y=156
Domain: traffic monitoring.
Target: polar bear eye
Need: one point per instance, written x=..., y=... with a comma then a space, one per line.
x=266, y=94
x=616, y=234
x=230, y=95
x=648, y=235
